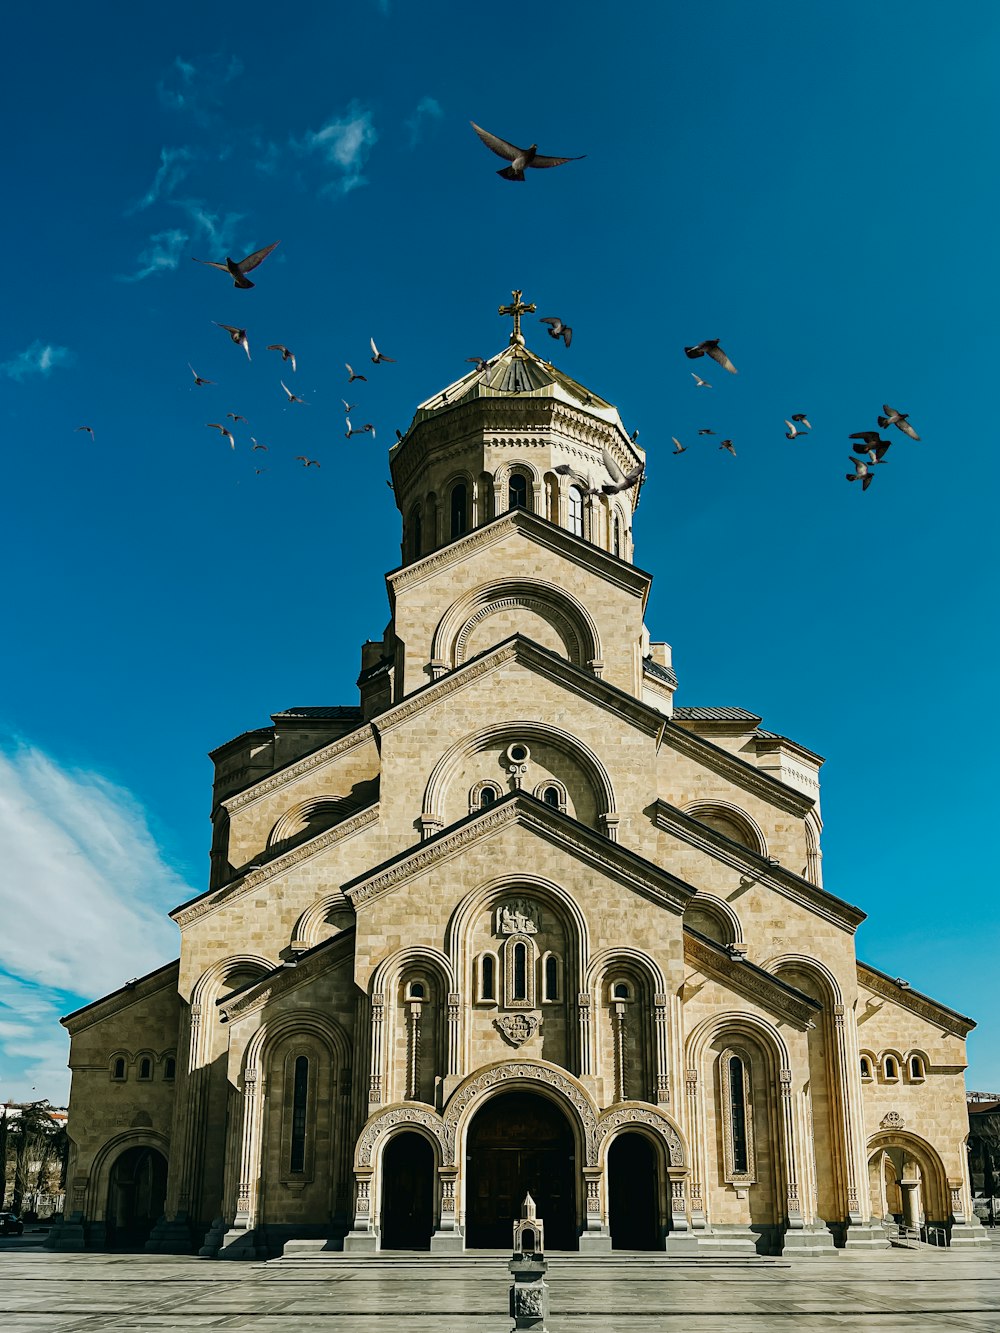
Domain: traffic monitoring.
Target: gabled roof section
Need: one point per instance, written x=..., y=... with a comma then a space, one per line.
x=322, y=755
x=535, y=528
x=596, y=850
x=319, y=713
x=296, y=971
x=741, y=975
x=730, y=766
x=935, y=1012
x=719, y=714
x=768, y=873
x=131, y=993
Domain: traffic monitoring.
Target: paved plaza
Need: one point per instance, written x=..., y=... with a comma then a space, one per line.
x=916, y=1291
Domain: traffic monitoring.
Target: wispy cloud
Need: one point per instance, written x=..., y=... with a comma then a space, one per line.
x=38, y=359
x=217, y=228
x=197, y=89
x=427, y=109
x=161, y=255
x=342, y=144
x=86, y=906
x=175, y=165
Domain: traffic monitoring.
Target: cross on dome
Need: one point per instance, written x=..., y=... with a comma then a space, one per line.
x=517, y=308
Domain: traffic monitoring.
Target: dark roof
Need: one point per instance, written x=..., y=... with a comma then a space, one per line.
x=720, y=714
x=319, y=712
x=908, y=992
x=122, y=990
x=661, y=672
x=381, y=668
x=258, y=732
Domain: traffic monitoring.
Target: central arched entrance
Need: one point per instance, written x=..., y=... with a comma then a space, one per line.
x=633, y=1194
x=137, y=1190
x=407, y=1193
x=520, y=1143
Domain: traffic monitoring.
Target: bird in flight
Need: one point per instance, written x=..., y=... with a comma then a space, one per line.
x=258, y=470
x=90, y=432
x=705, y=431
x=214, y=425
x=557, y=329
x=681, y=449
x=197, y=378
x=257, y=446
x=728, y=446
x=286, y=354
x=565, y=470
x=861, y=473
x=873, y=443
x=801, y=419
x=238, y=270
x=399, y=436
x=710, y=347
x=292, y=397
x=793, y=432
x=239, y=336
x=478, y=362
x=519, y=158
x=306, y=462
x=899, y=419
x=368, y=429
x=352, y=376
x=235, y=416
x=348, y=407
x=621, y=481
x=699, y=383
x=377, y=355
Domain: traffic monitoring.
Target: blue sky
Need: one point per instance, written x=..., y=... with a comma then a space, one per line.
x=816, y=187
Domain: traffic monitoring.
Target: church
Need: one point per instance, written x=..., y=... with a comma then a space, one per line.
x=516, y=921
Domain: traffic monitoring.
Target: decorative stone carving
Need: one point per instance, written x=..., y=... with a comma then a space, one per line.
x=518, y=916
x=893, y=1120
x=527, y=1301
x=638, y=1115
x=516, y=1028
x=536, y=1073
x=398, y=1115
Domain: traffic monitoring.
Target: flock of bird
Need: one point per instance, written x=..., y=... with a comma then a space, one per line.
x=866, y=456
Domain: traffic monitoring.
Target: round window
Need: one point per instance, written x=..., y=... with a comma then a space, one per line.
x=518, y=753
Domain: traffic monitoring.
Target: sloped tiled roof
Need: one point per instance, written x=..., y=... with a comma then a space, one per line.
x=662, y=672
x=720, y=714
x=319, y=712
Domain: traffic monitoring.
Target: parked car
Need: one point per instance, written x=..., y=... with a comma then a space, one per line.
x=10, y=1225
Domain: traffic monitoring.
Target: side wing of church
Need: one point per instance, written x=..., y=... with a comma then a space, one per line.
x=516, y=922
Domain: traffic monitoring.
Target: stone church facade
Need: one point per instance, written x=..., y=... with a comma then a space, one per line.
x=515, y=921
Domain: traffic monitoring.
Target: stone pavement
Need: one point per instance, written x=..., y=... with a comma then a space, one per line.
x=919, y=1292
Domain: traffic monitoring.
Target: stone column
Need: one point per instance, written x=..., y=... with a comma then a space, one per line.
x=844, y=1078
x=698, y=1217
x=448, y=1238
x=375, y=1075
x=595, y=1238
x=413, y=1069
x=453, y=1057
x=245, y=1122
x=793, y=1206
x=583, y=1010
x=361, y=1239
x=620, y=1021
x=662, y=1036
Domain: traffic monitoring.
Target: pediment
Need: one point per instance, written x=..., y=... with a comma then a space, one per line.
x=494, y=827
x=293, y=975
x=737, y=974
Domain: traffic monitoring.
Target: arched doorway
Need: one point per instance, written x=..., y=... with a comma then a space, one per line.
x=407, y=1218
x=137, y=1189
x=520, y=1143
x=633, y=1194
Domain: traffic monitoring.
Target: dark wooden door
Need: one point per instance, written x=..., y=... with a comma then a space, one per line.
x=407, y=1193
x=633, y=1194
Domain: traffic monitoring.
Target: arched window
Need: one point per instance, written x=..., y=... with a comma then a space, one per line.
x=300, y=1095
x=889, y=1067
x=866, y=1067
x=520, y=987
x=118, y=1069
x=552, y=977
x=416, y=534
x=145, y=1068
x=169, y=1068
x=621, y=991
x=616, y=535
x=551, y=796
x=487, y=797
x=738, y=1108
x=416, y=990
x=916, y=1067
x=517, y=491
x=459, y=510
x=487, y=977
x=576, y=510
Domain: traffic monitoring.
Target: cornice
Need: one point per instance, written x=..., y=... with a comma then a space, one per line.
x=551, y=536
x=309, y=763
x=98, y=1010
x=785, y=882
x=750, y=980
x=241, y=1003
x=738, y=771
x=919, y=1004
x=214, y=899
x=532, y=655
x=561, y=830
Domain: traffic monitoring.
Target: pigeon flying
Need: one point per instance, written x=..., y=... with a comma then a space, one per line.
x=728, y=446
x=197, y=378
x=90, y=432
x=710, y=347
x=557, y=329
x=238, y=271
x=793, y=433
x=800, y=417
x=565, y=470
x=699, y=383
x=352, y=376
x=239, y=336
x=861, y=473
x=681, y=449
x=621, y=481
x=286, y=355
x=519, y=158
x=292, y=397
x=377, y=355
x=478, y=362
x=235, y=416
x=706, y=431
x=874, y=444
x=214, y=425
x=900, y=419
x=306, y=462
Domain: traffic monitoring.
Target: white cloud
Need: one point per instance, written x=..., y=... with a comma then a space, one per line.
x=426, y=110
x=162, y=254
x=343, y=144
x=38, y=359
x=175, y=165
x=195, y=89
x=217, y=229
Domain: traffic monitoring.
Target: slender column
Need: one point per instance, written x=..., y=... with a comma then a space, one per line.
x=678, y=1205
x=375, y=1076
x=246, y=1196
x=698, y=1218
x=845, y=1076
x=662, y=1034
x=413, y=1073
x=621, y=1051
x=592, y=1184
x=583, y=1009
x=793, y=1207
x=454, y=1049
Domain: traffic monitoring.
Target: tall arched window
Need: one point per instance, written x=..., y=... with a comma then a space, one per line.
x=486, y=797
x=118, y=1069
x=576, y=510
x=517, y=491
x=738, y=1110
x=552, y=977
x=145, y=1068
x=170, y=1067
x=916, y=1067
x=459, y=510
x=488, y=978
x=520, y=971
x=616, y=535
x=416, y=534
x=737, y=1117
x=300, y=1094
x=551, y=796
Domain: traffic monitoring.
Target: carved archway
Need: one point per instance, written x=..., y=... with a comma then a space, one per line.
x=568, y=617
x=629, y=1116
